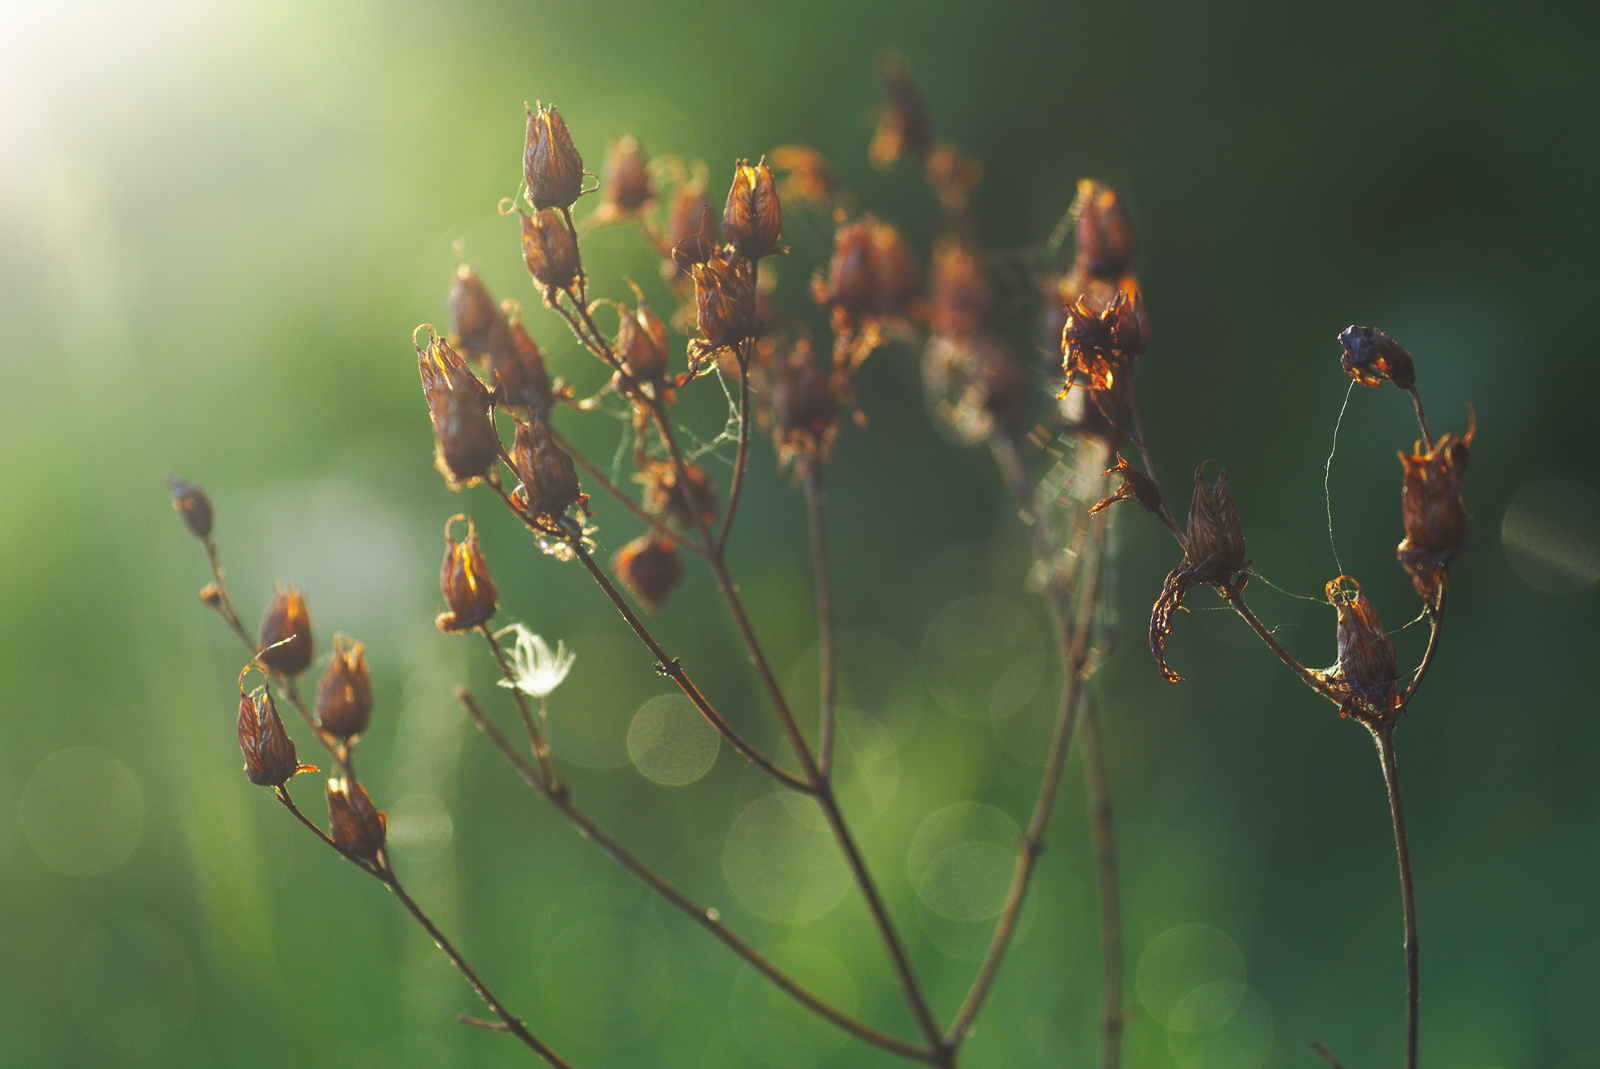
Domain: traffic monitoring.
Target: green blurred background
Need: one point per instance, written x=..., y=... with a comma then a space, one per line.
x=219, y=224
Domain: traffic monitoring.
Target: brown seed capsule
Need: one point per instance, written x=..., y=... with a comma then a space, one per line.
x=725, y=301
x=665, y=496
x=650, y=568
x=899, y=280
x=1213, y=542
x=550, y=164
x=473, y=314
x=192, y=503
x=852, y=282
x=1105, y=240
x=464, y=437
x=549, y=249
x=549, y=477
x=344, y=696
x=641, y=344
x=355, y=825
x=961, y=298
x=903, y=127
x=464, y=581
x=753, y=218
x=805, y=414
x=285, y=639
x=269, y=756
x=1367, y=668
x=1136, y=486
x=1430, y=506
x=1371, y=356
x=624, y=179
x=1100, y=345
x=521, y=371
x=690, y=232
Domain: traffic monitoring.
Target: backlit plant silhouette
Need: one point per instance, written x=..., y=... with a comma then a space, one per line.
x=1055, y=428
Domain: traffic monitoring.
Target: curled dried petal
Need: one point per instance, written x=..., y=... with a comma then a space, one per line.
x=1136, y=486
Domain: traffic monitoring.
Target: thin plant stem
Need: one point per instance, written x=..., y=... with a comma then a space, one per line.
x=380, y=869
x=811, y=476
x=1435, y=625
x=1076, y=654
x=541, y=749
x=1097, y=787
x=1383, y=735
x=655, y=523
x=742, y=454
x=706, y=918
x=1313, y=680
x=1327, y=1055
x=1422, y=420
x=1165, y=515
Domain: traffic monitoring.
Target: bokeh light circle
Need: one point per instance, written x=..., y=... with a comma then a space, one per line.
x=1551, y=534
x=1241, y=1040
x=420, y=826
x=82, y=811
x=982, y=658
x=775, y=1028
x=961, y=860
x=1178, y=974
x=670, y=742
x=782, y=862
x=131, y=986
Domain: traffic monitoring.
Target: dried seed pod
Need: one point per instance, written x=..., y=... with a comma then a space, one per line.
x=464, y=436
x=1099, y=345
x=903, y=126
x=690, y=232
x=681, y=505
x=898, y=279
x=725, y=301
x=1430, y=506
x=1367, y=669
x=1370, y=356
x=269, y=755
x=549, y=477
x=1213, y=554
x=1105, y=240
x=344, y=695
x=650, y=568
x=474, y=316
x=753, y=218
x=284, y=642
x=961, y=299
x=464, y=580
x=852, y=280
x=1136, y=486
x=520, y=370
x=549, y=250
x=550, y=164
x=641, y=344
x=192, y=503
x=805, y=413
x=355, y=825
x=624, y=179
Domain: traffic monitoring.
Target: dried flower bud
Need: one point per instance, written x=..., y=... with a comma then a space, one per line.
x=624, y=179
x=549, y=477
x=550, y=164
x=285, y=639
x=194, y=506
x=898, y=278
x=1106, y=245
x=464, y=581
x=1370, y=356
x=961, y=298
x=665, y=496
x=549, y=249
x=1213, y=554
x=1367, y=669
x=269, y=756
x=690, y=232
x=852, y=282
x=1099, y=345
x=474, y=316
x=725, y=301
x=641, y=344
x=1213, y=542
x=1136, y=486
x=464, y=437
x=355, y=825
x=806, y=171
x=649, y=567
x=805, y=414
x=521, y=371
x=1430, y=506
x=903, y=127
x=753, y=218
x=344, y=696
